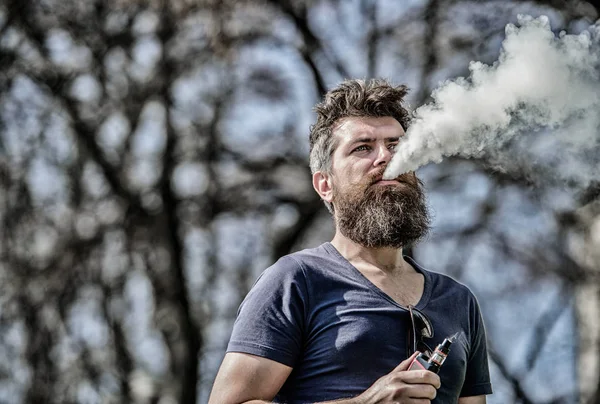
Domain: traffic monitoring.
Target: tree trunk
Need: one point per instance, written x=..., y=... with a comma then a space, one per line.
x=588, y=305
x=588, y=367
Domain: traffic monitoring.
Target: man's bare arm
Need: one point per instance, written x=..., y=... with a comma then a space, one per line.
x=244, y=378
x=472, y=400
x=249, y=379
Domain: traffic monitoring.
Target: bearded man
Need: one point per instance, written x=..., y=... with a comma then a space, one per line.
x=342, y=322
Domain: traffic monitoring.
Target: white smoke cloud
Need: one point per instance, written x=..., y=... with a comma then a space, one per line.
x=536, y=110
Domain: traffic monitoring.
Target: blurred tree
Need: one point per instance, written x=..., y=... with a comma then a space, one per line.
x=153, y=163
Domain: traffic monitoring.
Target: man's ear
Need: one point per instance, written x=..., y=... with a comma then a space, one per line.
x=323, y=185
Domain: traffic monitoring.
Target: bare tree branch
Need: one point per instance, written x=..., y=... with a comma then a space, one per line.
x=190, y=332
x=514, y=381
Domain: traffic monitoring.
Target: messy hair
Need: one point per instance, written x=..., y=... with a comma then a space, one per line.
x=352, y=98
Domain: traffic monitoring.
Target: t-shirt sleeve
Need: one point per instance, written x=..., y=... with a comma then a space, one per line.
x=270, y=320
x=477, y=378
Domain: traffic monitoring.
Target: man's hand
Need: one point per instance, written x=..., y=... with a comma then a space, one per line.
x=403, y=386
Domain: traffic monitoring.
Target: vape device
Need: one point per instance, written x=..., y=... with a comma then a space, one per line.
x=435, y=362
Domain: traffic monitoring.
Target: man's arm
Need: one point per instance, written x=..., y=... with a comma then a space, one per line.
x=472, y=400
x=249, y=379
x=243, y=377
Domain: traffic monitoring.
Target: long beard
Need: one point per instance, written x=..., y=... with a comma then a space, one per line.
x=382, y=216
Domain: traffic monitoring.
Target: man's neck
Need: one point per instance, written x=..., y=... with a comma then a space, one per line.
x=387, y=259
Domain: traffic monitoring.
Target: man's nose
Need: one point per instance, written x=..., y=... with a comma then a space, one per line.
x=384, y=155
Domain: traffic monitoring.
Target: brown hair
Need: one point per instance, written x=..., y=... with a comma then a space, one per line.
x=370, y=98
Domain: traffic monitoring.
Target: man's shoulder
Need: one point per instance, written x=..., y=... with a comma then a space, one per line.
x=298, y=269
x=302, y=261
x=307, y=254
x=449, y=281
x=443, y=281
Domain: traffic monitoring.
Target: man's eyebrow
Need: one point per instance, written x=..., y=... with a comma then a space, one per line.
x=371, y=139
x=362, y=140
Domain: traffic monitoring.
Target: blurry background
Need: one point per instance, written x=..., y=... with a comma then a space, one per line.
x=153, y=161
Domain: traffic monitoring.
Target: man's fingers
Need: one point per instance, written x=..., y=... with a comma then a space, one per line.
x=406, y=363
x=419, y=391
x=426, y=391
x=422, y=377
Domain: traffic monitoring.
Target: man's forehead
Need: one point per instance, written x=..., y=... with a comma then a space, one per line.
x=348, y=128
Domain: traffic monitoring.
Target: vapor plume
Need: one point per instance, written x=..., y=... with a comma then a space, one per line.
x=536, y=109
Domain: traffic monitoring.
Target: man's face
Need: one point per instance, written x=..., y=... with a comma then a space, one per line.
x=368, y=210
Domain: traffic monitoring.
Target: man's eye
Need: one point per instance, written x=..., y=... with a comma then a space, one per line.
x=361, y=148
x=393, y=146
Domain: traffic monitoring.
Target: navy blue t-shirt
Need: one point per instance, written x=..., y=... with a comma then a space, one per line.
x=315, y=312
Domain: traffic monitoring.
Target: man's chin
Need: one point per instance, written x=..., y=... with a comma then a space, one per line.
x=389, y=214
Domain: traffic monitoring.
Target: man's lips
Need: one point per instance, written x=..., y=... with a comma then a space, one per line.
x=379, y=180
